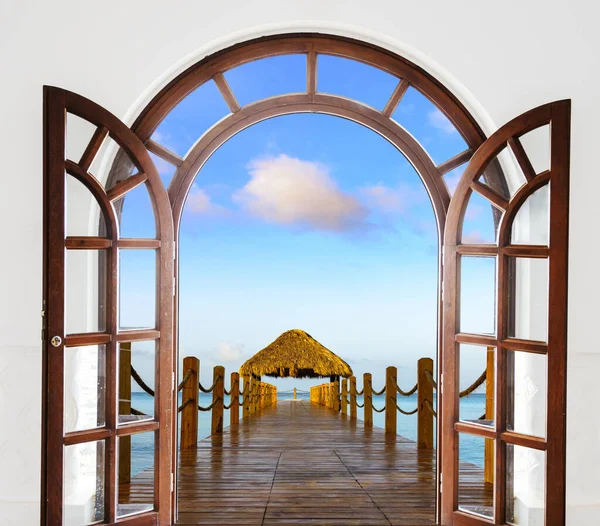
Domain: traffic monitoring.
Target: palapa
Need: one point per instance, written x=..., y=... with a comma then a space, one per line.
x=296, y=354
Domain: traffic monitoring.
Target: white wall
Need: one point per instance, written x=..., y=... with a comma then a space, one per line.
x=505, y=58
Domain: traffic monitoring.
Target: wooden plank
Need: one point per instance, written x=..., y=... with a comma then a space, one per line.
x=301, y=463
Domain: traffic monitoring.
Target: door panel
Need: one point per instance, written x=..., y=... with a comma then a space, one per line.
x=90, y=425
x=526, y=439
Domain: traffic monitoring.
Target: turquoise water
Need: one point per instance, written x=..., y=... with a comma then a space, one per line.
x=471, y=408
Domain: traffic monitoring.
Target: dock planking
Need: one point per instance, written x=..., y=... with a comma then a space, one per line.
x=301, y=463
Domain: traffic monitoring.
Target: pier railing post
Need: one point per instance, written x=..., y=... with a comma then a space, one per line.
x=345, y=396
x=391, y=381
x=252, y=387
x=353, y=397
x=368, y=393
x=488, y=455
x=234, y=416
x=189, y=414
x=125, y=409
x=218, y=395
x=246, y=401
x=336, y=393
x=424, y=396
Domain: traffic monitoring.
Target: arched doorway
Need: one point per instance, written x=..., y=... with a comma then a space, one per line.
x=495, y=187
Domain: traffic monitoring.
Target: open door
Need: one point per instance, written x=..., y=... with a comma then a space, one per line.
x=90, y=432
x=522, y=436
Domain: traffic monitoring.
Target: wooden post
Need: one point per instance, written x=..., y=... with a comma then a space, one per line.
x=294, y=393
x=234, y=416
x=189, y=414
x=218, y=395
x=344, y=396
x=353, y=397
x=391, y=415
x=424, y=396
x=368, y=401
x=246, y=408
x=336, y=393
x=488, y=455
x=125, y=409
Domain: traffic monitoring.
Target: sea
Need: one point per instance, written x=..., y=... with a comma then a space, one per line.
x=470, y=447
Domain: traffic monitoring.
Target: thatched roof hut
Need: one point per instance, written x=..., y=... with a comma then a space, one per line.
x=297, y=354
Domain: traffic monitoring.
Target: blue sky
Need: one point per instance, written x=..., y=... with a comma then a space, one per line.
x=313, y=222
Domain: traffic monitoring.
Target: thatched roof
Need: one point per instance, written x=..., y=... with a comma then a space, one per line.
x=297, y=354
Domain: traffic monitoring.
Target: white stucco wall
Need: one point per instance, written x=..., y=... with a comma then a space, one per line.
x=500, y=59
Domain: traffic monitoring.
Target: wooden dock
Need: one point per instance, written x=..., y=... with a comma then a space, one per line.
x=300, y=463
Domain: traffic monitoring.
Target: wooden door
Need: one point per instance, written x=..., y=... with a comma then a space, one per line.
x=91, y=436
x=523, y=438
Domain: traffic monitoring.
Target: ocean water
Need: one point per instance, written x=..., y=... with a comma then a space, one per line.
x=470, y=447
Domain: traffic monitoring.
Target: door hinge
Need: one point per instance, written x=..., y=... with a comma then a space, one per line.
x=441, y=392
x=174, y=285
x=441, y=483
x=173, y=381
x=172, y=482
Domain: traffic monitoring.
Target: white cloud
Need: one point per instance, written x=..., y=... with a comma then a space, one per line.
x=384, y=198
x=290, y=191
x=228, y=352
x=199, y=202
x=438, y=120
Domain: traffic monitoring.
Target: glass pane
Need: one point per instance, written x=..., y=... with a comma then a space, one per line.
x=354, y=80
x=165, y=170
x=527, y=393
x=536, y=144
x=477, y=406
x=135, y=456
x=528, y=298
x=136, y=366
x=136, y=214
x=191, y=118
x=531, y=225
x=84, y=484
x=475, y=475
x=424, y=120
x=453, y=177
x=478, y=295
x=78, y=135
x=85, y=387
x=104, y=164
x=480, y=224
x=525, y=486
x=267, y=77
x=83, y=214
x=137, y=289
x=85, y=291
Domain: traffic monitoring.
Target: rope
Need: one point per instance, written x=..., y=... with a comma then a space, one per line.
x=430, y=377
x=212, y=387
x=230, y=404
x=377, y=393
x=482, y=417
x=474, y=385
x=137, y=413
x=185, y=379
x=407, y=413
x=378, y=410
x=185, y=404
x=210, y=406
x=140, y=382
x=430, y=407
x=361, y=392
x=407, y=393
x=360, y=405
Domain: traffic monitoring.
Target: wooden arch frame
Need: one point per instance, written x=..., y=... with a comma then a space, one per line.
x=408, y=74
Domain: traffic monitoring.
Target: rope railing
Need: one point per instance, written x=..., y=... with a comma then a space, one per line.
x=341, y=396
x=140, y=382
x=186, y=377
x=211, y=388
x=185, y=404
x=214, y=402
